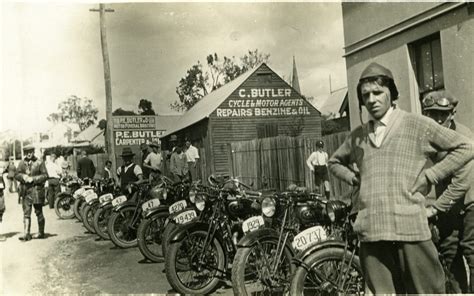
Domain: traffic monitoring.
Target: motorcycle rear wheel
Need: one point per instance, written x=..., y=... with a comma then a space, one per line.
x=101, y=221
x=118, y=228
x=328, y=274
x=182, y=257
x=252, y=263
x=64, y=206
x=150, y=236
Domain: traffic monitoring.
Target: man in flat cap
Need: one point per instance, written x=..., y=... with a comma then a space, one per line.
x=32, y=175
x=390, y=152
x=454, y=205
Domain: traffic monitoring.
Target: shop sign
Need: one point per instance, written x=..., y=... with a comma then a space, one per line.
x=128, y=138
x=139, y=122
x=263, y=102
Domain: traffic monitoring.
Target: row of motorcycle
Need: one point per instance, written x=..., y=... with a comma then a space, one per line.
x=266, y=243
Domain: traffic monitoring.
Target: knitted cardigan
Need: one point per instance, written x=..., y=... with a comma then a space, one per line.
x=386, y=208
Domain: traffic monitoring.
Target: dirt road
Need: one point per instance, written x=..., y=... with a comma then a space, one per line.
x=72, y=261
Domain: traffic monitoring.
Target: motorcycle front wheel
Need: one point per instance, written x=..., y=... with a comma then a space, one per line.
x=64, y=206
x=150, y=236
x=101, y=221
x=192, y=267
x=120, y=230
x=328, y=272
x=255, y=269
x=77, y=208
x=88, y=217
x=169, y=228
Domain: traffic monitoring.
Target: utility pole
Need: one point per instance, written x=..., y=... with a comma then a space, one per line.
x=108, y=88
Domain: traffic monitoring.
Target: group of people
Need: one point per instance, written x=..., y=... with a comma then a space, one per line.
x=393, y=160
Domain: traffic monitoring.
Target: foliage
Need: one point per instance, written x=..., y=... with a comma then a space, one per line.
x=146, y=107
x=102, y=124
x=75, y=110
x=332, y=126
x=120, y=112
x=201, y=80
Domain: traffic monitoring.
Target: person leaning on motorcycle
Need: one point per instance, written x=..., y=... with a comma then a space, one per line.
x=455, y=194
x=32, y=174
x=129, y=172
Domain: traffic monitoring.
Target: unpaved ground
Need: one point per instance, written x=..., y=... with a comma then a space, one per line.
x=73, y=261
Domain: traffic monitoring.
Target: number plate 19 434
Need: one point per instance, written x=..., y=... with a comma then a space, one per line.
x=308, y=237
x=185, y=217
x=252, y=224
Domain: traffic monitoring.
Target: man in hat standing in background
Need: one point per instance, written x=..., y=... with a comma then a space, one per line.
x=454, y=205
x=397, y=254
x=85, y=167
x=145, y=153
x=52, y=183
x=129, y=172
x=32, y=175
x=153, y=160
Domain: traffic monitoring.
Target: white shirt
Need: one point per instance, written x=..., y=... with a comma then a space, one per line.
x=137, y=170
x=192, y=154
x=153, y=160
x=380, y=126
x=53, y=169
x=317, y=158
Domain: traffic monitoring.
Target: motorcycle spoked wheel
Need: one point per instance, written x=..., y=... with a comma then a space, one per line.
x=77, y=208
x=101, y=221
x=119, y=231
x=254, y=272
x=184, y=271
x=88, y=216
x=150, y=236
x=64, y=207
x=329, y=273
x=169, y=228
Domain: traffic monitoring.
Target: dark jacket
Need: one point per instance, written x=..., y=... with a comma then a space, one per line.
x=34, y=190
x=85, y=168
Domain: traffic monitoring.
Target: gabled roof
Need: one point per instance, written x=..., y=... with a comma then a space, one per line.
x=209, y=103
x=334, y=103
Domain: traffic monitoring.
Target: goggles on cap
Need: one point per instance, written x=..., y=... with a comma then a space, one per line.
x=442, y=102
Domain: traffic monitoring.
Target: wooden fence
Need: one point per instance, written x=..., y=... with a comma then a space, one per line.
x=278, y=162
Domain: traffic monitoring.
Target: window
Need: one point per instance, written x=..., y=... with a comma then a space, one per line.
x=264, y=77
x=428, y=64
x=267, y=130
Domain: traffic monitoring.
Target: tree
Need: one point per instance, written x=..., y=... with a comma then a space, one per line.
x=146, y=107
x=121, y=112
x=75, y=110
x=200, y=80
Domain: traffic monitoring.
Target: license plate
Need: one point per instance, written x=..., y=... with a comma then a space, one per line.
x=119, y=200
x=308, y=237
x=252, y=224
x=78, y=192
x=177, y=206
x=91, y=197
x=185, y=217
x=151, y=204
x=63, y=188
x=106, y=197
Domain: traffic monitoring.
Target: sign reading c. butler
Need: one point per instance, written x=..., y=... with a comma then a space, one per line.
x=135, y=130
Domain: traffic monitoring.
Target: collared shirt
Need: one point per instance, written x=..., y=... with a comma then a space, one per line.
x=379, y=127
x=154, y=160
x=192, y=154
x=317, y=158
x=53, y=169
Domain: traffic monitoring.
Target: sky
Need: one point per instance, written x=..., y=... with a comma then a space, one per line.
x=52, y=50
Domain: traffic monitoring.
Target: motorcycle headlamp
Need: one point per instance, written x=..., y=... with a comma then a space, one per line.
x=156, y=192
x=268, y=206
x=200, y=202
x=335, y=210
x=165, y=193
x=192, y=196
x=330, y=212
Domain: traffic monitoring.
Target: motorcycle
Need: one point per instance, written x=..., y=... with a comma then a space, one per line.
x=106, y=189
x=294, y=220
x=103, y=212
x=156, y=217
x=200, y=252
x=331, y=267
x=64, y=201
x=86, y=188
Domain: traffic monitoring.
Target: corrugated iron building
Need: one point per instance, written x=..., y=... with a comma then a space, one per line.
x=427, y=46
x=257, y=104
